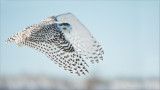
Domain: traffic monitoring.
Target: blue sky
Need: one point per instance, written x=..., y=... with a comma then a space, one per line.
x=127, y=30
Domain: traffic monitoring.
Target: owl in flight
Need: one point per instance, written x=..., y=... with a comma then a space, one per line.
x=63, y=39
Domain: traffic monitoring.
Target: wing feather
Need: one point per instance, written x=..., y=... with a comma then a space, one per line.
x=81, y=38
x=68, y=51
x=51, y=41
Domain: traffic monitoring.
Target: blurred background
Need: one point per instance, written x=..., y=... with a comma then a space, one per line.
x=128, y=31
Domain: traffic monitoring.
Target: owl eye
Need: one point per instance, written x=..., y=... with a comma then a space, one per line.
x=64, y=28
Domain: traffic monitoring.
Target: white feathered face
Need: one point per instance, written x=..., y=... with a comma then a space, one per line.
x=64, y=40
x=65, y=27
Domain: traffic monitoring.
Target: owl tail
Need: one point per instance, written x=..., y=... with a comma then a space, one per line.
x=10, y=39
x=16, y=39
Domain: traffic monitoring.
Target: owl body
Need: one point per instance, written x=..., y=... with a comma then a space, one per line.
x=64, y=40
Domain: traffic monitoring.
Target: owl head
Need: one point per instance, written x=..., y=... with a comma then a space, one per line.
x=65, y=27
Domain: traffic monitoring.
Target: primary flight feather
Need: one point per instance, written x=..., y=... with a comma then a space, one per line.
x=64, y=40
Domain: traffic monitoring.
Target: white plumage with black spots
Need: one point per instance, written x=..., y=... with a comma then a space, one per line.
x=64, y=40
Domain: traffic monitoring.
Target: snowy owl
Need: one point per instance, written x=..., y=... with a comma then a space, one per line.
x=64, y=40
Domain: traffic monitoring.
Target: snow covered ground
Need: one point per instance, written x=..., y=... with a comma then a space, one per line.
x=46, y=83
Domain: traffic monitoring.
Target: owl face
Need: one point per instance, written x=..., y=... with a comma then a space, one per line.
x=65, y=27
x=67, y=44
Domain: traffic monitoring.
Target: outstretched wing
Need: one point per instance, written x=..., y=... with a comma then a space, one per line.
x=65, y=50
x=81, y=38
x=48, y=39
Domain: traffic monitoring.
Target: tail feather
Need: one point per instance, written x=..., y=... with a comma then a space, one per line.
x=10, y=39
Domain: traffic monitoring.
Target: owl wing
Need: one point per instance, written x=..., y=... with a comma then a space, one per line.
x=82, y=40
x=48, y=39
